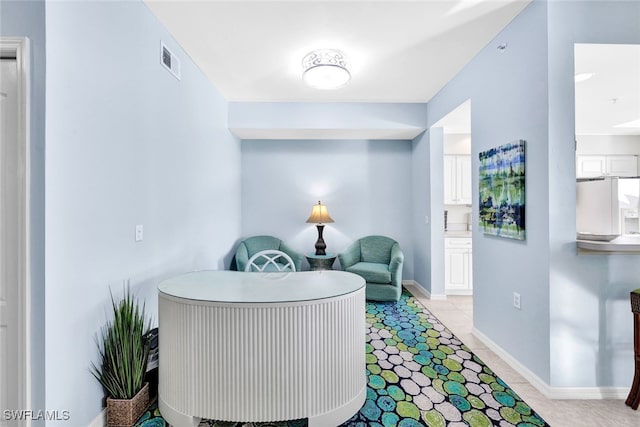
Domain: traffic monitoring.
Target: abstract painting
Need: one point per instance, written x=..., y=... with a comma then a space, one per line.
x=502, y=191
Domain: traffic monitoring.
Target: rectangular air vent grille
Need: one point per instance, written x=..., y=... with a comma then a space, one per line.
x=169, y=61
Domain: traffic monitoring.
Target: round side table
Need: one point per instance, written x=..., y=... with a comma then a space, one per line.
x=321, y=262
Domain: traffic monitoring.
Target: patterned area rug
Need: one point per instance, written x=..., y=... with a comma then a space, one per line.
x=419, y=374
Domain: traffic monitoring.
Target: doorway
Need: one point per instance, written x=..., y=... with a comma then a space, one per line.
x=14, y=248
x=607, y=132
x=458, y=200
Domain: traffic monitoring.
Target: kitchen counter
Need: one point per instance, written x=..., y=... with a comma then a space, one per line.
x=625, y=245
x=457, y=233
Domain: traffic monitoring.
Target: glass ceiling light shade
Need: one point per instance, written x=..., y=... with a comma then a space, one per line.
x=325, y=69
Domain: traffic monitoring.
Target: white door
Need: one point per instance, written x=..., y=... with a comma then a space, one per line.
x=10, y=237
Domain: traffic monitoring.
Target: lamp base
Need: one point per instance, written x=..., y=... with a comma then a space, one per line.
x=320, y=244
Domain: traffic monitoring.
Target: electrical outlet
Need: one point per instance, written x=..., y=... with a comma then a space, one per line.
x=139, y=233
x=516, y=300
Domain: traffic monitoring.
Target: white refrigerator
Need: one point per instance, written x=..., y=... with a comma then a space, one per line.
x=608, y=206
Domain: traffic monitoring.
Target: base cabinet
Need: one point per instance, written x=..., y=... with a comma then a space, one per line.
x=458, y=271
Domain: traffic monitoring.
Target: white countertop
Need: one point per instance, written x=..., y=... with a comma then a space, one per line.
x=241, y=287
x=626, y=244
x=457, y=233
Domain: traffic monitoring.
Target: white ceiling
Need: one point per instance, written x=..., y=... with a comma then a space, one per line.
x=457, y=121
x=612, y=96
x=399, y=51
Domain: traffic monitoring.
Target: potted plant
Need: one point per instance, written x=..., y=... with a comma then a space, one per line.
x=124, y=349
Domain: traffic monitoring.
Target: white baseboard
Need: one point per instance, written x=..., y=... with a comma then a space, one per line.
x=100, y=420
x=578, y=393
x=418, y=288
x=589, y=393
x=533, y=379
x=465, y=292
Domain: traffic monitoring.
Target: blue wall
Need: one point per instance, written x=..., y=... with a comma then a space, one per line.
x=366, y=186
x=127, y=144
x=421, y=195
x=27, y=19
x=427, y=168
x=575, y=328
x=508, y=92
x=591, y=330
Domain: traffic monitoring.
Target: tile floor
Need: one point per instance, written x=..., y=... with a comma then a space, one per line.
x=456, y=312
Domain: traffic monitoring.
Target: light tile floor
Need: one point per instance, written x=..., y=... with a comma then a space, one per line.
x=456, y=312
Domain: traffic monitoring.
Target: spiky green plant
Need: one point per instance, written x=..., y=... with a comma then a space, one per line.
x=123, y=348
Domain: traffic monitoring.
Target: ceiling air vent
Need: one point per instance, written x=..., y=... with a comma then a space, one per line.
x=169, y=60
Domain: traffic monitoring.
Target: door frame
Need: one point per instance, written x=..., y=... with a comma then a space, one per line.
x=20, y=48
x=437, y=148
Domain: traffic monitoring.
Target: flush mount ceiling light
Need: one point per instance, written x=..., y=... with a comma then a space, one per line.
x=325, y=69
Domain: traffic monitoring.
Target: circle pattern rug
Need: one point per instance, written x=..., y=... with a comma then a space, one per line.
x=418, y=374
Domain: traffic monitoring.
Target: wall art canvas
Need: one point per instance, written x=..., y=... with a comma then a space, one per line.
x=502, y=191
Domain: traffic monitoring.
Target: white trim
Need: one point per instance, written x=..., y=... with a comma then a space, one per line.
x=533, y=379
x=20, y=46
x=466, y=292
x=100, y=420
x=413, y=285
x=579, y=393
x=589, y=393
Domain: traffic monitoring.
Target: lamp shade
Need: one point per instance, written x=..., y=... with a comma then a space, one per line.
x=319, y=214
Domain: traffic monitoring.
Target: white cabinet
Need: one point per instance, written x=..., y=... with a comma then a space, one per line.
x=622, y=165
x=458, y=271
x=589, y=166
x=457, y=180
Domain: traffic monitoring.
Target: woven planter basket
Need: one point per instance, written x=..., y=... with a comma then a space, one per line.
x=125, y=412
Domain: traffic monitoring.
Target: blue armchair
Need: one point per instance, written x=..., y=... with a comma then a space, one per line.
x=378, y=259
x=252, y=245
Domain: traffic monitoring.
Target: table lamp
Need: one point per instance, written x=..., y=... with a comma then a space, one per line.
x=320, y=216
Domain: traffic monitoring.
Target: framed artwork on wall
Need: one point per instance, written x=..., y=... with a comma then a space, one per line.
x=501, y=183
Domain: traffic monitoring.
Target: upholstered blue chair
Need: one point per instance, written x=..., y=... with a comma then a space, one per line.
x=252, y=245
x=377, y=259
